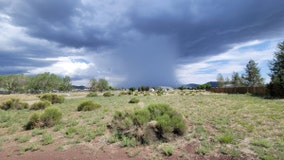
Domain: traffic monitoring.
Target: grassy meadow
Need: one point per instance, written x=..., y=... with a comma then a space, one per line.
x=234, y=125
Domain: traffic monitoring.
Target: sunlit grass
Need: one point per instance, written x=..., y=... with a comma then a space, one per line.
x=216, y=121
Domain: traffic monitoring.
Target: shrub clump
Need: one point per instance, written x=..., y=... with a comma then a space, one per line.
x=167, y=149
x=160, y=92
x=52, y=98
x=50, y=117
x=123, y=93
x=40, y=105
x=14, y=104
x=157, y=122
x=134, y=100
x=226, y=139
x=108, y=94
x=88, y=106
x=146, y=94
x=92, y=94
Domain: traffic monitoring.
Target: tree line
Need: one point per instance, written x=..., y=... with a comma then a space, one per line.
x=99, y=85
x=252, y=77
x=45, y=82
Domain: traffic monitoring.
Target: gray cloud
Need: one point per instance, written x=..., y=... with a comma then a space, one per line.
x=148, y=61
x=205, y=28
x=57, y=21
x=145, y=39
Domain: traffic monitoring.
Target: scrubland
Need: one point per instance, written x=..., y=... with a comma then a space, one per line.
x=237, y=126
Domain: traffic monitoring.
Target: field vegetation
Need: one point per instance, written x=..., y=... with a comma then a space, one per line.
x=238, y=126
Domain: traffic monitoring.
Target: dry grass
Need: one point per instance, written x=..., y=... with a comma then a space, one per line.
x=236, y=125
x=22, y=97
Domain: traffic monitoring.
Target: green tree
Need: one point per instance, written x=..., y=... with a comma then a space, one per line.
x=132, y=89
x=15, y=83
x=227, y=81
x=236, y=80
x=220, y=80
x=93, y=85
x=252, y=76
x=53, y=82
x=1, y=81
x=45, y=82
x=143, y=88
x=102, y=85
x=204, y=86
x=37, y=83
x=66, y=84
x=276, y=86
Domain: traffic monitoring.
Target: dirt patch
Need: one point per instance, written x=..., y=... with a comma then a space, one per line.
x=78, y=152
x=30, y=102
x=98, y=150
x=189, y=152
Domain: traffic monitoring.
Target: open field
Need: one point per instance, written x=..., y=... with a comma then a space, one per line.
x=220, y=126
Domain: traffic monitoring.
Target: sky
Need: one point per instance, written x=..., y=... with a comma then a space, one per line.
x=139, y=42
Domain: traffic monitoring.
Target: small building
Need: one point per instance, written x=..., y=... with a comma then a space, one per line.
x=166, y=88
x=151, y=90
x=4, y=91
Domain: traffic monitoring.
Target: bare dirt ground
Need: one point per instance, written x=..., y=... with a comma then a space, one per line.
x=98, y=151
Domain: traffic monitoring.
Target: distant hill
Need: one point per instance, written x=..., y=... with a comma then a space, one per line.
x=191, y=85
x=213, y=84
x=79, y=87
x=194, y=85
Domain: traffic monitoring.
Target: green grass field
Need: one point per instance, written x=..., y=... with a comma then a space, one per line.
x=235, y=125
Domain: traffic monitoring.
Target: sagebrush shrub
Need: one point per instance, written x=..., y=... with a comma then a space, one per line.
x=50, y=117
x=146, y=94
x=226, y=139
x=52, y=98
x=88, y=106
x=167, y=149
x=40, y=105
x=167, y=118
x=108, y=94
x=127, y=142
x=134, y=100
x=34, y=121
x=92, y=94
x=155, y=122
x=122, y=93
x=160, y=92
x=47, y=139
x=14, y=104
x=141, y=117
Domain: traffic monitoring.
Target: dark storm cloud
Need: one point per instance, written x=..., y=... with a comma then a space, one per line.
x=148, y=37
x=16, y=63
x=57, y=21
x=200, y=27
x=204, y=28
x=11, y=60
x=149, y=61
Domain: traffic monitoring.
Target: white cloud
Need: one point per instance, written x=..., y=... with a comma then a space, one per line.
x=82, y=68
x=234, y=60
x=65, y=66
x=9, y=34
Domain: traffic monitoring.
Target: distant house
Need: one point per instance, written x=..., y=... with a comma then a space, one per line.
x=166, y=88
x=151, y=90
x=3, y=91
x=80, y=88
